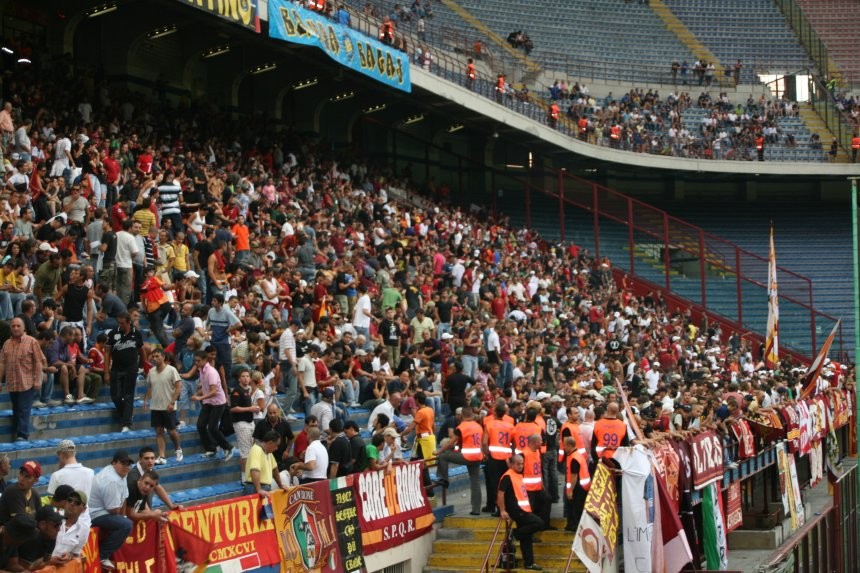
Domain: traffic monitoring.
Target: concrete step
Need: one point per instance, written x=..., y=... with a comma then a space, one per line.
x=466, y=561
x=548, y=549
x=486, y=523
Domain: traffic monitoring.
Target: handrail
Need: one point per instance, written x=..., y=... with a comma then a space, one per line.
x=838, y=122
x=808, y=37
x=486, y=564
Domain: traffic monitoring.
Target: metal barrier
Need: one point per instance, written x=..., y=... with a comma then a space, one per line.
x=485, y=567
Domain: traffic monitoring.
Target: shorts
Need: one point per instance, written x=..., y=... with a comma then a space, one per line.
x=162, y=419
x=244, y=437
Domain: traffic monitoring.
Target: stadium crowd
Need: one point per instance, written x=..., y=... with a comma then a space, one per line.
x=249, y=274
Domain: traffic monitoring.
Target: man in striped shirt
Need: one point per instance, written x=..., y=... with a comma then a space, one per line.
x=21, y=364
x=170, y=199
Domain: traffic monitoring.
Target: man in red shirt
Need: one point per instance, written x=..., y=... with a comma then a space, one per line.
x=301, y=443
x=144, y=162
x=111, y=167
x=118, y=214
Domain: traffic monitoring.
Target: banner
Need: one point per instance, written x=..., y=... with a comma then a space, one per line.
x=713, y=530
x=305, y=528
x=799, y=513
x=145, y=549
x=734, y=511
x=392, y=507
x=226, y=536
x=707, y=449
x=771, y=349
x=90, y=553
x=242, y=12
x=346, y=524
x=597, y=533
x=347, y=47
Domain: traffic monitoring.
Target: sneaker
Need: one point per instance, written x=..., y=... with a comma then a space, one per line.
x=126, y=429
x=54, y=403
x=533, y=567
x=85, y=400
x=179, y=456
x=108, y=565
x=229, y=454
x=355, y=405
x=39, y=404
x=70, y=399
x=180, y=425
x=20, y=439
x=208, y=454
x=159, y=461
x=292, y=418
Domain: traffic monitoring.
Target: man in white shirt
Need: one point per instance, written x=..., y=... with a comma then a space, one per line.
x=315, y=466
x=308, y=377
x=126, y=251
x=70, y=472
x=287, y=357
x=75, y=531
x=389, y=407
x=362, y=315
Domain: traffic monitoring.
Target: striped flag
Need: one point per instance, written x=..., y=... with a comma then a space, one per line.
x=713, y=529
x=810, y=383
x=771, y=350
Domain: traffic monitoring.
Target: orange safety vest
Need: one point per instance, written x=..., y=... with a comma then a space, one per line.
x=499, y=436
x=855, y=143
x=573, y=430
x=522, y=431
x=470, y=71
x=519, y=490
x=759, y=143
x=583, y=124
x=386, y=29
x=532, y=470
x=615, y=132
x=500, y=84
x=471, y=435
x=553, y=111
x=318, y=5
x=584, y=476
x=609, y=433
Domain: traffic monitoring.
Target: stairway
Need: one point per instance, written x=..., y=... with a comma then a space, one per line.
x=461, y=546
x=817, y=125
x=531, y=69
x=691, y=41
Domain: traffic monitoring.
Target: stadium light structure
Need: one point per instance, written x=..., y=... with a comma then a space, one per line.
x=413, y=119
x=7, y=50
x=310, y=82
x=374, y=109
x=455, y=128
x=216, y=51
x=263, y=68
x=101, y=10
x=342, y=97
x=162, y=32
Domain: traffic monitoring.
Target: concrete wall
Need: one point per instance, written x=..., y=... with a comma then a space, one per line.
x=415, y=554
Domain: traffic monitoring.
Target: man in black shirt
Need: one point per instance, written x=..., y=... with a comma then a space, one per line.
x=123, y=357
x=456, y=384
x=138, y=505
x=339, y=451
x=357, y=447
x=389, y=331
x=509, y=501
x=16, y=532
x=274, y=421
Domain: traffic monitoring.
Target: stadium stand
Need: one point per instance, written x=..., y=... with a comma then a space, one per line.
x=835, y=22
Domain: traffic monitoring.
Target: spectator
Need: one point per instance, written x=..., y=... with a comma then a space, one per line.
x=70, y=472
x=106, y=506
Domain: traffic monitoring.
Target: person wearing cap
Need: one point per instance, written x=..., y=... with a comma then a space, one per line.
x=74, y=531
x=123, y=356
x=22, y=363
x=106, y=506
x=22, y=497
x=36, y=553
x=69, y=471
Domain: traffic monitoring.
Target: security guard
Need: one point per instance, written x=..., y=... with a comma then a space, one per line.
x=498, y=436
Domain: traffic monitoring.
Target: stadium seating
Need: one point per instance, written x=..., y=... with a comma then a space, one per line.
x=836, y=22
x=753, y=31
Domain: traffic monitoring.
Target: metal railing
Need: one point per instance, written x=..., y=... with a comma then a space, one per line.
x=807, y=35
x=485, y=567
x=839, y=123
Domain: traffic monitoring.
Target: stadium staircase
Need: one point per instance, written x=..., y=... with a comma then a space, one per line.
x=689, y=39
x=814, y=123
x=462, y=542
x=837, y=22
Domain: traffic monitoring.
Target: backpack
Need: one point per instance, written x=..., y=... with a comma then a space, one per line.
x=508, y=552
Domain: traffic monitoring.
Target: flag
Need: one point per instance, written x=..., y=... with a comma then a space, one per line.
x=771, y=349
x=714, y=529
x=670, y=551
x=811, y=380
x=589, y=544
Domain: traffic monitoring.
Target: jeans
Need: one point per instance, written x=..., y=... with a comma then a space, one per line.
x=175, y=223
x=47, y=389
x=290, y=384
x=209, y=427
x=451, y=457
x=349, y=396
x=435, y=402
x=223, y=357
x=364, y=331
x=113, y=529
x=313, y=398
x=123, y=284
x=22, y=404
x=470, y=365
x=506, y=373
x=6, y=312
x=122, y=384
x=550, y=473
x=189, y=388
x=156, y=323
x=249, y=488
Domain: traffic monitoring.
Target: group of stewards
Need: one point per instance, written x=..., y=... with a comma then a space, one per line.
x=521, y=459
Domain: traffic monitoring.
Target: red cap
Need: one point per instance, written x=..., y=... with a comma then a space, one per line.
x=32, y=468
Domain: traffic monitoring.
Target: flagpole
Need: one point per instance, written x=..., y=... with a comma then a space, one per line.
x=856, y=252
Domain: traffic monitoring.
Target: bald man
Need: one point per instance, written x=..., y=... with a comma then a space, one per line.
x=610, y=433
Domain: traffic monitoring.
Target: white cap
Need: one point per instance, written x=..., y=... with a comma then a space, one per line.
x=191, y=275
x=541, y=396
x=447, y=336
x=47, y=247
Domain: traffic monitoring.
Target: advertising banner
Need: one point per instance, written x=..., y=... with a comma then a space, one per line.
x=305, y=528
x=226, y=536
x=368, y=56
x=392, y=507
x=707, y=449
x=242, y=12
x=597, y=534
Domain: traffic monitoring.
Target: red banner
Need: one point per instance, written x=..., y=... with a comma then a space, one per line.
x=229, y=533
x=707, y=449
x=392, y=507
x=734, y=511
x=305, y=524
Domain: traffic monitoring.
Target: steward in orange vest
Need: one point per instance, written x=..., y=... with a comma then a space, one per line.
x=610, y=433
x=855, y=147
x=386, y=31
x=553, y=114
x=577, y=481
x=469, y=435
x=571, y=429
x=533, y=479
x=759, y=146
x=471, y=72
x=498, y=434
x=513, y=502
x=523, y=430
